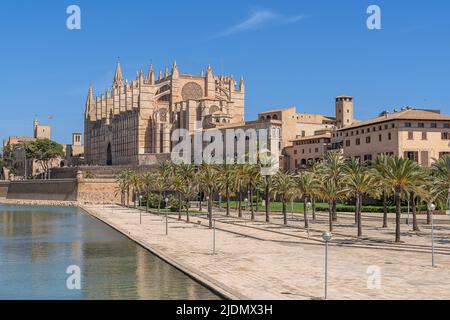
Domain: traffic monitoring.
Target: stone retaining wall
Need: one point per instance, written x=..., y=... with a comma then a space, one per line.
x=55, y=190
x=4, y=186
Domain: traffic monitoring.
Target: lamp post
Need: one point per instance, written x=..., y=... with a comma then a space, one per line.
x=326, y=236
x=431, y=208
x=407, y=219
x=308, y=209
x=246, y=204
x=267, y=173
x=209, y=209
x=167, y=218
x=214, y=236
x=140, y=212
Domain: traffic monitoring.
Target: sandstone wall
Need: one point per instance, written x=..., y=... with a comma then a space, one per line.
x=54, y=190
x=4, y=185
x=97, y=191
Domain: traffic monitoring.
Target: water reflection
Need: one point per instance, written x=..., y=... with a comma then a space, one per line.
x=37, y=244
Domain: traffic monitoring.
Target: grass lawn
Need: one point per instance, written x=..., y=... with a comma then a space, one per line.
x=320, y=207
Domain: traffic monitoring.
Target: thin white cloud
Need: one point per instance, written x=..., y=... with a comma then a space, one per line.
x=257, y=20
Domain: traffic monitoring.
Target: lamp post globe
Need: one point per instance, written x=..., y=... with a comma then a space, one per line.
x=327, y=236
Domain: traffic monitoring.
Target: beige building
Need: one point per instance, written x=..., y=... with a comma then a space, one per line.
x=296, y=125
x=75, y=151
x=132, y=123
x=420, y=135
x=24, y=167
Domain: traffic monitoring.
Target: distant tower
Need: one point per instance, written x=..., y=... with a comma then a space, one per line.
x=76, y=139
x=344, y=111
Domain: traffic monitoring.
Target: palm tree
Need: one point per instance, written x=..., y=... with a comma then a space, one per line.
x=381, y=167
x=332, y=169
x=441, y=170
x=159, y=185
x=306, y=184
x=253, y=175
x=403, y=176
x=239, y=181
x=135, y=183
x=314, y=168
x=284, y=187
x=184, y=174
x=209, y=178
x=225, y=182
x=331, y=192
x=122, y=186
x=147, y=181
x=359, y=181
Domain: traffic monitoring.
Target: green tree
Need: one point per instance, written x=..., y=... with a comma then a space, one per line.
x=332, y=170
x=284, y=187
x=44, y=151
x=404, y=176
x=381, y=168
x=306, y=185
x=359, y=181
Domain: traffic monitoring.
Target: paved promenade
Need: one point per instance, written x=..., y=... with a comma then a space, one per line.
x=255, y=260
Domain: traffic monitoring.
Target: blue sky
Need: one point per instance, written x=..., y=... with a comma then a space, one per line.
x=300, y=53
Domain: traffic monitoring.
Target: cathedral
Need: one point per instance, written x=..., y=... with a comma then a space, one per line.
x=131, y=124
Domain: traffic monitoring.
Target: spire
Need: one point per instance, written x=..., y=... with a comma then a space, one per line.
x=209, y=72
x=90, y=99
x=166, y=72
x=242, y=84
x=202, y=73
x=175, y=72
x=118, y=77
x=160, y=75
x=151, y=75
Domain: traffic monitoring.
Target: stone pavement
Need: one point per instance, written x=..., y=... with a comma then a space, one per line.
x=259, y=262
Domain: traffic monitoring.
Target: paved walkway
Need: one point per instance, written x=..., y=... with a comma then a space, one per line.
x=266, y=261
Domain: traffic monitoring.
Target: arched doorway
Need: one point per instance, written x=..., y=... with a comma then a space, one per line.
x=109, y=155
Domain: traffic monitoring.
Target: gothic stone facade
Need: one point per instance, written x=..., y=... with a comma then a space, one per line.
x=132, y=123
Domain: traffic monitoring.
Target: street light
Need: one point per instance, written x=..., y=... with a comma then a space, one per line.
x=167, y=221
x=431, y=208
x=326, y=236
x=308, y=209
x=140, y=212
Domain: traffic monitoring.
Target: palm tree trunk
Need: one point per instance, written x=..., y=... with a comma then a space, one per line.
x=330, y=211
x=385, y=210
x=359, y=207
x=356, y=209
x=257, y=200
x=252, y=210
x=305, y=213
x=210, y=217
x=180, y=205
x=398, y=213
x=314, y=209
x=267, y=201
x=239, y=203
x=334, y=205
x=284, y=211
x=159, y=202
x=414, y=213
x=187, y=214
x=428, y=216
x=228, y=200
